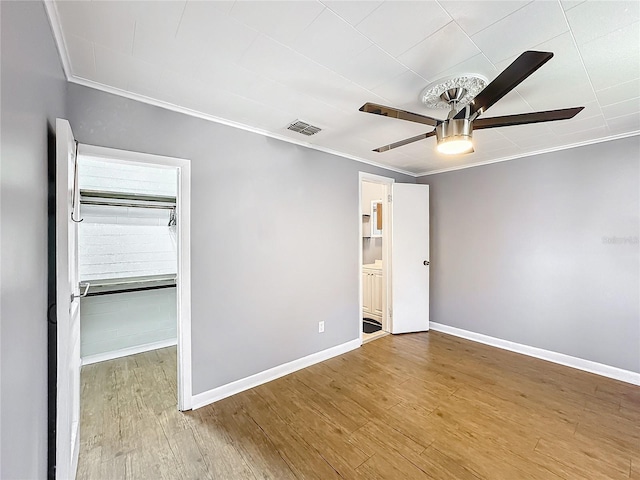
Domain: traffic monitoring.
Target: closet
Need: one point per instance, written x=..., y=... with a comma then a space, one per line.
x=127, y=258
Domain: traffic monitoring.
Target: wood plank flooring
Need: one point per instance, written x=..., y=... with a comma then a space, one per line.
x=416, y=406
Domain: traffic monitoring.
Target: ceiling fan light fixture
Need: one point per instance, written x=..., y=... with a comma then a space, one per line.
x=455, y=136
x=465, y=104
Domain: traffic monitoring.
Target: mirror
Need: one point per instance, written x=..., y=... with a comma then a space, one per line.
x=376, y=218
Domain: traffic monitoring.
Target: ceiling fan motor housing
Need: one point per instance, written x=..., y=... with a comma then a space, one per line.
x=454, y=136
x=458, y=129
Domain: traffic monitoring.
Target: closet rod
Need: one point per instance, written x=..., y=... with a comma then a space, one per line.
x=127, y=196
x=110, y=203
x=118, y=199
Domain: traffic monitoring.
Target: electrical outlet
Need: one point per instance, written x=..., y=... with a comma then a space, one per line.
x=320, y=327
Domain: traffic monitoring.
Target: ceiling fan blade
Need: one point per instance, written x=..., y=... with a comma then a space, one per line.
x=524, y=118
x=401, y=114
x=406, y=141
x=510, y=78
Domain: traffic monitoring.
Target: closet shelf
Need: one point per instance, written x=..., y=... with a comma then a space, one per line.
x=129, y=284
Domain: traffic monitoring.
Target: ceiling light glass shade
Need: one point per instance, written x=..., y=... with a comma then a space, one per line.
x=455, y=146
x=454, y=136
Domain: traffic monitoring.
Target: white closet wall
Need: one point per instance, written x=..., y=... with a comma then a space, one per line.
x=114, y=324
x=120, y=177
x=121, y=242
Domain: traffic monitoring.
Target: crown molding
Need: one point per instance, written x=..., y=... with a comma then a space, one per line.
x=54, y=22
x=531, y=154
x=212, y=118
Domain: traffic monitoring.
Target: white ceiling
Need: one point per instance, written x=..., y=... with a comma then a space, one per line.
x=264, y=64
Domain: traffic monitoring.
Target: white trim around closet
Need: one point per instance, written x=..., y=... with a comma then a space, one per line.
x=183, y=282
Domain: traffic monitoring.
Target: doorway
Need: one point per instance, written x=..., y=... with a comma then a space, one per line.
x=127, y=259
x=403, y=289
x=164, y=195
x=375, y=258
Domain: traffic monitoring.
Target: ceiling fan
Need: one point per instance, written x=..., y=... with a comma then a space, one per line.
x=454, y=134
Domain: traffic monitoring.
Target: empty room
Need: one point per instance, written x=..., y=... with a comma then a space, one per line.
x=320, y=239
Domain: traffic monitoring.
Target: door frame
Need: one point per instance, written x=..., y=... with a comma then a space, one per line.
x=183, y=281
x=387, y=316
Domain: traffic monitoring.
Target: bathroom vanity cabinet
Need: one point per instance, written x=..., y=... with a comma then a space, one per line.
x=372, y=291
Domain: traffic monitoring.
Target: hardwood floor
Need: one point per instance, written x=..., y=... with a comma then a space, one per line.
x=417, y=406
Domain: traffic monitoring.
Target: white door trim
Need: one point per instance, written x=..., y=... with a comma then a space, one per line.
x=386, y=247
x=183, y=284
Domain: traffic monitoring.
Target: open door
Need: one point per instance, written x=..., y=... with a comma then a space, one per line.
x=410, y=258
x=67, y=304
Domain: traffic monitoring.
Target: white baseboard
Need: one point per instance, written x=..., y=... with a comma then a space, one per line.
x=215, y=394
x=125, y=352
x=555, y=357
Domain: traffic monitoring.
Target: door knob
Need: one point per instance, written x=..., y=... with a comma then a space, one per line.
x=426, y=262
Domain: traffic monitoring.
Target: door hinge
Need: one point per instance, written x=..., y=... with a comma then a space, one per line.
x=52, y=314
x=390, y=313
x=389, y=198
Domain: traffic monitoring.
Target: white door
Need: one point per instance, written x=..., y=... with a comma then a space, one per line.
x=410, y=258
x=67, y=304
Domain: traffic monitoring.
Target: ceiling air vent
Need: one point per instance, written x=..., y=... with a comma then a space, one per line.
x=303, y=128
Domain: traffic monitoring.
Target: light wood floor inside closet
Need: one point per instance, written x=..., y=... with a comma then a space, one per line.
x=403, y=407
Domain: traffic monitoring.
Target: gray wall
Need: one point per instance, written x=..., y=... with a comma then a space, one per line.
x=543, y=251
x=274, y=234
x=33, y=94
